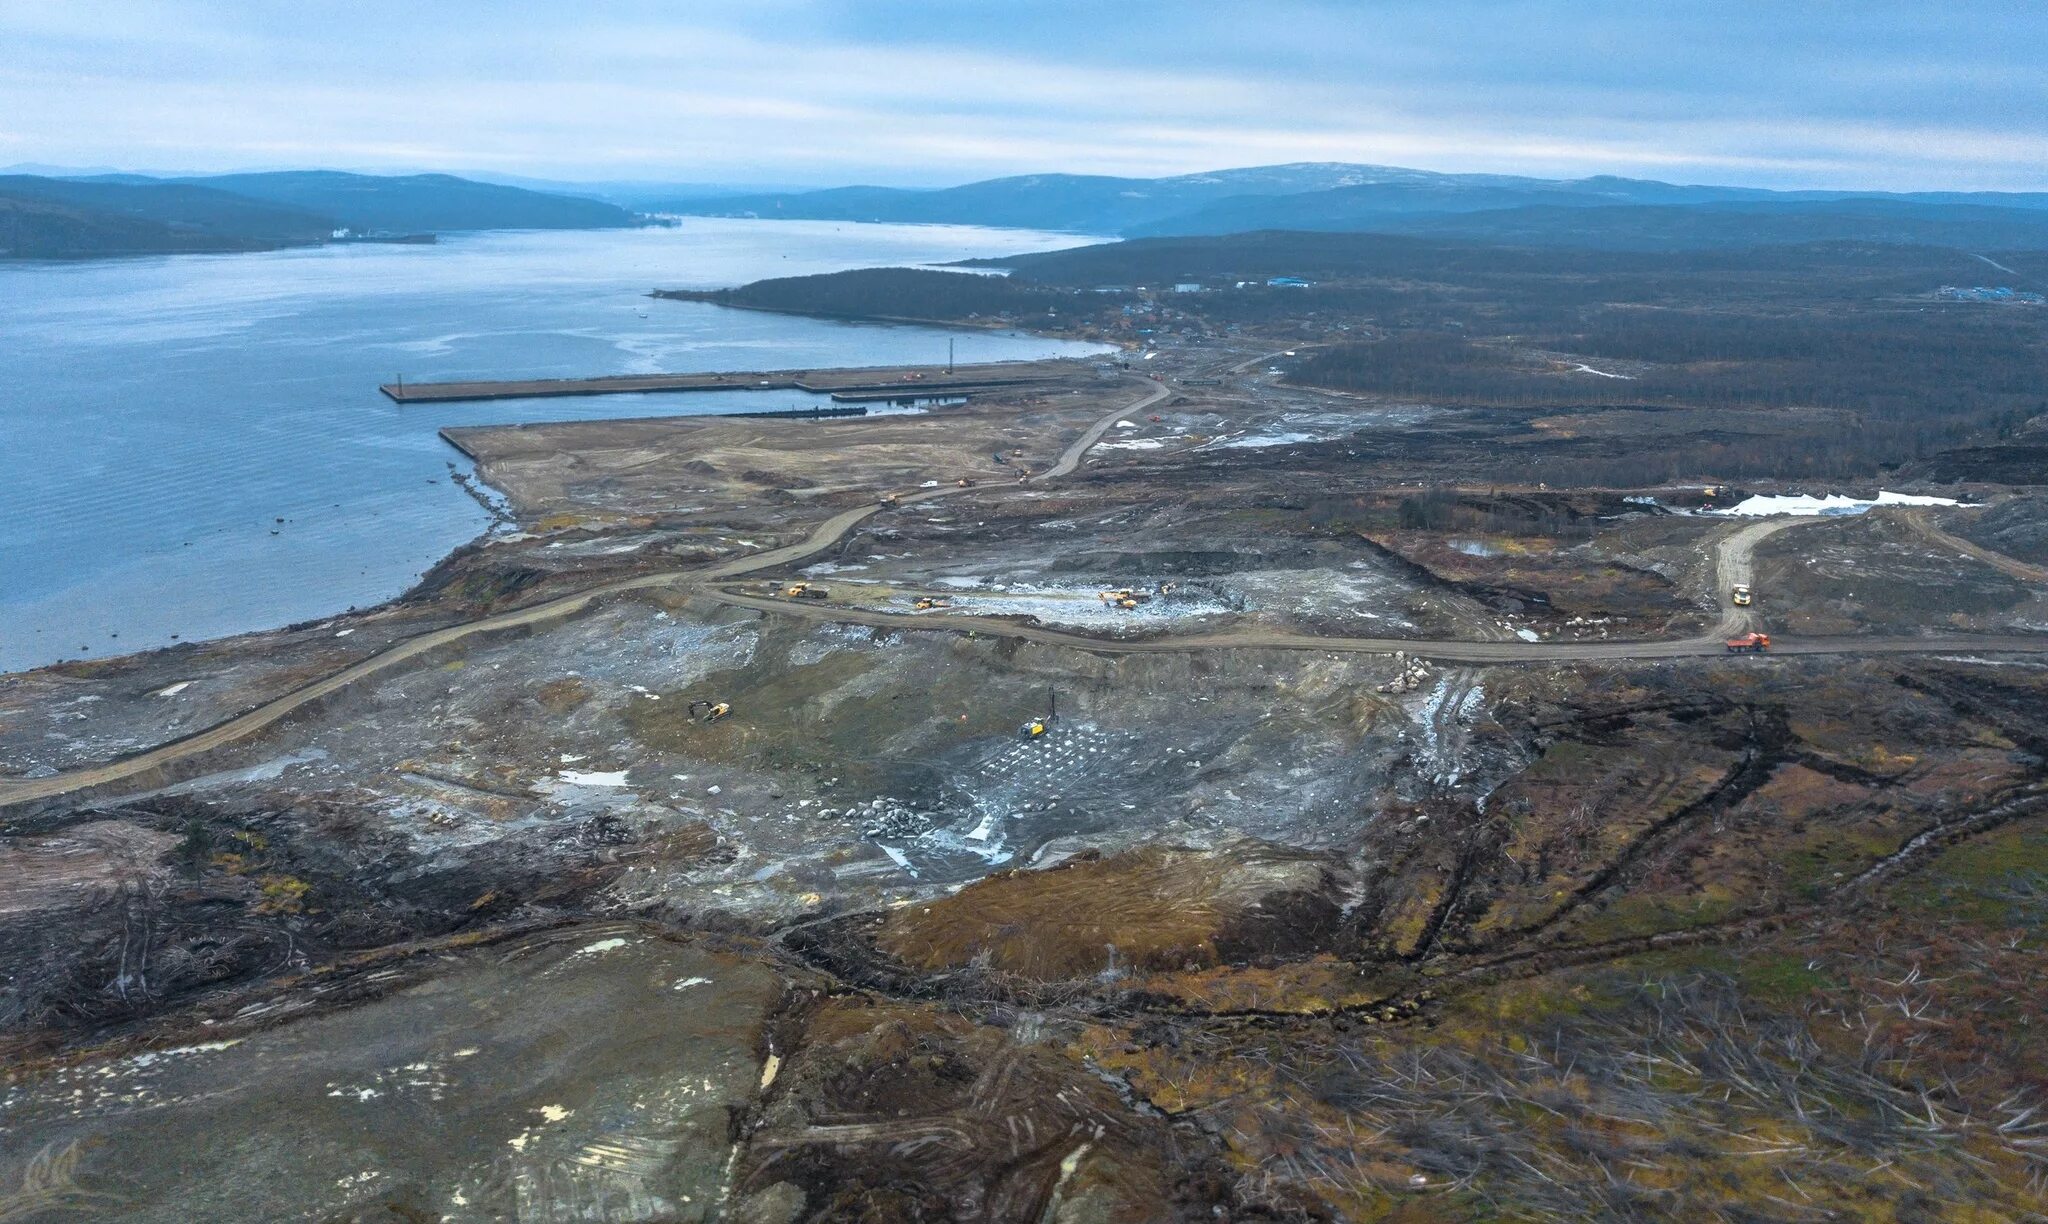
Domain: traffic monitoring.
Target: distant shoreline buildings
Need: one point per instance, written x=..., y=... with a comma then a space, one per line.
x=1980, y=293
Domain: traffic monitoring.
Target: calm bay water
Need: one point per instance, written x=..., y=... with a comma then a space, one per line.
x=157, y=417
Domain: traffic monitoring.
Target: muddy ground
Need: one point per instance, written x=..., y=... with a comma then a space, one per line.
x=513, y=931
x=738, y=469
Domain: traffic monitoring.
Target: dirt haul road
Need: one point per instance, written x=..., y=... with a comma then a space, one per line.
x=1443, y=651
x=1735, y=564
x=1925, y=526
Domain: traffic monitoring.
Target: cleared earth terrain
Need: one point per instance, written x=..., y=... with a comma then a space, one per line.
x=789, y=820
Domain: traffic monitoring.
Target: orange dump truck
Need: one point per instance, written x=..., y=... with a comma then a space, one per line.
x=1749, y=643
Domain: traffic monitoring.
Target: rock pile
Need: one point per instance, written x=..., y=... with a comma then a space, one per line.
x=1413, y=673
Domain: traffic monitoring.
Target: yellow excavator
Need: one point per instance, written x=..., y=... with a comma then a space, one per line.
x=926, y=603
x=712, y=711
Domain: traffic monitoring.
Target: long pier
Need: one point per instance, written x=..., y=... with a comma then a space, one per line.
x=847, y=384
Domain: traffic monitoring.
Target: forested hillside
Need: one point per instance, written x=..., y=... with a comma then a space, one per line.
x=84, y=218
x=43, y=218
x=421, y=202
x=890, y=293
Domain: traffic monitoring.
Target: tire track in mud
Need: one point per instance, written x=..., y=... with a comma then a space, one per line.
x=1530, y=962
x=1763, y=750
x=1481, y=838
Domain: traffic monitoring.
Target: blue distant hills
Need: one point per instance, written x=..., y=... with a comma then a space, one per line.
x=44, y=217
x=1600, y=212
x=67, y=216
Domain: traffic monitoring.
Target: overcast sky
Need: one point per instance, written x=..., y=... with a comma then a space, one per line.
x=1860, y=93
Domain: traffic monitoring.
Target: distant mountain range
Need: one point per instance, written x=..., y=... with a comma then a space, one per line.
x=128, y=214
x=1601, y=212
x=1093, y=204
x=84, y=215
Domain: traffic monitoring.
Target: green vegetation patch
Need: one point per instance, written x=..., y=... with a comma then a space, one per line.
x=1824, y=857
x=1998, y=880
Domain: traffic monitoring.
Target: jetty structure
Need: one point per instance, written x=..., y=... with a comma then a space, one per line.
x=858, y=385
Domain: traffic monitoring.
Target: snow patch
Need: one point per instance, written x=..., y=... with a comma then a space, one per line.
x=1834, y=504
x=155, y=1056
x=1260, y=441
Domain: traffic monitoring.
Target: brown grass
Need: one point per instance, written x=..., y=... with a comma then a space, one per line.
x=1152, y=909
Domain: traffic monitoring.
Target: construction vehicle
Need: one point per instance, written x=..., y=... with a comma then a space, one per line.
x=1039, y=726
x=965, y=482
x=1749, y=643
x=891, y=500
x=1125, y=599
x=804, y=590
x=926, y=603
x=1740, y=596
x=712, y=710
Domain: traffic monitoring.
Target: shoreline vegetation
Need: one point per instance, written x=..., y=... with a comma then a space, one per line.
x=717, y=297
x=894, y=295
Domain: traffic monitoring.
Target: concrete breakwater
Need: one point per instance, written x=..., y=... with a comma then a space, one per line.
x=845, y=384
